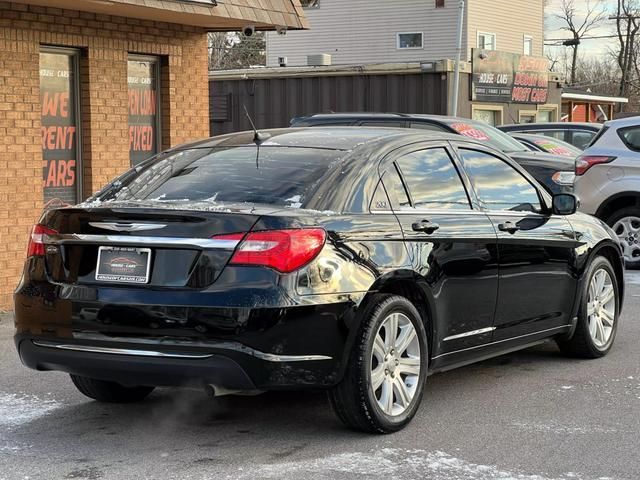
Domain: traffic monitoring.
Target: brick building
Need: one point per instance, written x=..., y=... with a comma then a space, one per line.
x=89, y=88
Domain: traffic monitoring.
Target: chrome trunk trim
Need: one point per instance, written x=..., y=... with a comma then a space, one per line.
x=78, y=238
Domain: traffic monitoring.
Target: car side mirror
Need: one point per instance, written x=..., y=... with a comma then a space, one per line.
x=564, y=204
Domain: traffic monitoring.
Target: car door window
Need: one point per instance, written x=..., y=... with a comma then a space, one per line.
x=433, y=180
x=498, y=185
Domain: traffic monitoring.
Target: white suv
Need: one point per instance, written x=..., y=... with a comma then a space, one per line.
x=608, y=182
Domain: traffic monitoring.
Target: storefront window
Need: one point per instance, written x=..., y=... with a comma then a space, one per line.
x=144, y=119
x=59, y=126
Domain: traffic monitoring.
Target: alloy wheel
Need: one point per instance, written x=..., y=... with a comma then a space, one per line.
x=601, y=307
x=628, y=231
x=395, y=364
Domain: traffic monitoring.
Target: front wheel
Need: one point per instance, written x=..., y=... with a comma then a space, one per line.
x=598, y=313
x=384, y=381
x=109, y=392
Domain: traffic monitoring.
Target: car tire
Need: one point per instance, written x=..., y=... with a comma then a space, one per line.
x=109, y=392
x=630, y=240
x=398, y=366
x=598, y=313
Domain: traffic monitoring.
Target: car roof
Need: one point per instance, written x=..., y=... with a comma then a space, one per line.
x=331, y=138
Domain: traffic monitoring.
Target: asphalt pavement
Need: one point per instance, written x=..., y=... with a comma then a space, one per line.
x=531, y=415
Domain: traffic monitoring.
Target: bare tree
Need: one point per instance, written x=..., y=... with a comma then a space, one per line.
x=627, y=27
x=228, y=50
x=579, y=24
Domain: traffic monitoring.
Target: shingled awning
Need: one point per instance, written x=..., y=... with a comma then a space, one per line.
x=215, y=15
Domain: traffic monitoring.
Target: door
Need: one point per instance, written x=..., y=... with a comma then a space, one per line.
x=535, y=249
x=453, y=247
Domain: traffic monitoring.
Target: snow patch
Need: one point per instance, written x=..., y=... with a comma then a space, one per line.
x=391, y=463
x=20, y=408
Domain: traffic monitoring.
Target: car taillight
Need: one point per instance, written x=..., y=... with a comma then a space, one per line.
x=563, y=178
x=36, y=244
x=282, y=250
x=585, y=162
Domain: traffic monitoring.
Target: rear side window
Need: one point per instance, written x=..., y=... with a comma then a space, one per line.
x=498, y=185
x=582, y=138
x=390, y=193
x=433, y=180
x=281, y=176
x=631, y=137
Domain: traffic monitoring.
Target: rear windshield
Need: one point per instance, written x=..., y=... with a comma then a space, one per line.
x=281, y=176
x=486, y=133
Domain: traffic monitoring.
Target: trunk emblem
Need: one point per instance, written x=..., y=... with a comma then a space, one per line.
x=127, y=227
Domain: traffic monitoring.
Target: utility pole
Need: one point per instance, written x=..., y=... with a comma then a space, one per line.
x=456, y=73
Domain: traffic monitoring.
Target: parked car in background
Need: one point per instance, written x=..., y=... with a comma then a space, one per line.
x=608, y=182
x=542, y=143
x=555, y=172
x=578, y=134
x=355, y=260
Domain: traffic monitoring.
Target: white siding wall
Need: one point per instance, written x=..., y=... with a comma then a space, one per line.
x=510, y=20
x=364, y=31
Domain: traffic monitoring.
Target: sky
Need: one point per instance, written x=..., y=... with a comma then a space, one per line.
x=595, y=47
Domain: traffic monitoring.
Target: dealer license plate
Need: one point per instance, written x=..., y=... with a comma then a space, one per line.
x=123, y=264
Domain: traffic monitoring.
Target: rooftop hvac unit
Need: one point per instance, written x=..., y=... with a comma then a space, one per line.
x=320, y=60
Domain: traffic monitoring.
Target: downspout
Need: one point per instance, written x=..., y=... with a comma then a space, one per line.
x=456, y=72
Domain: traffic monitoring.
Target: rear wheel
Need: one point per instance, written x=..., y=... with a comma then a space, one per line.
x=626, y=224
x=598, y=313
x=109, y=392
x=383, y=385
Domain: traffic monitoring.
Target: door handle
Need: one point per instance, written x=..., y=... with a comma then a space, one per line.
x=425, y=226
x=508, y=227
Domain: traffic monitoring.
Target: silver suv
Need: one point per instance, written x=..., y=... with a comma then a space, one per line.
x=608, y=182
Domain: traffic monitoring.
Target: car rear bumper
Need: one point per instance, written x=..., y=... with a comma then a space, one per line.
x=226, y=365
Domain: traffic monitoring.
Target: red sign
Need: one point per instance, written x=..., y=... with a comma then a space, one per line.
x=508, y=77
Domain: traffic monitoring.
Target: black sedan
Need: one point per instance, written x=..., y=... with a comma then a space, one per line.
x=555, y=172
x=358, y=260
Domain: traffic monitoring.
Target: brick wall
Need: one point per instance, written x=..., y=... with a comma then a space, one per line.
x=105, y=42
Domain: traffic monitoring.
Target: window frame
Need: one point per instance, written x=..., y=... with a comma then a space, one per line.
x=525, y=39
x=543, y=197
x=527, y=113
x=75, y=54
x=157, y=61
x=421, y=47
x=480, y=33
x=499, y=109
